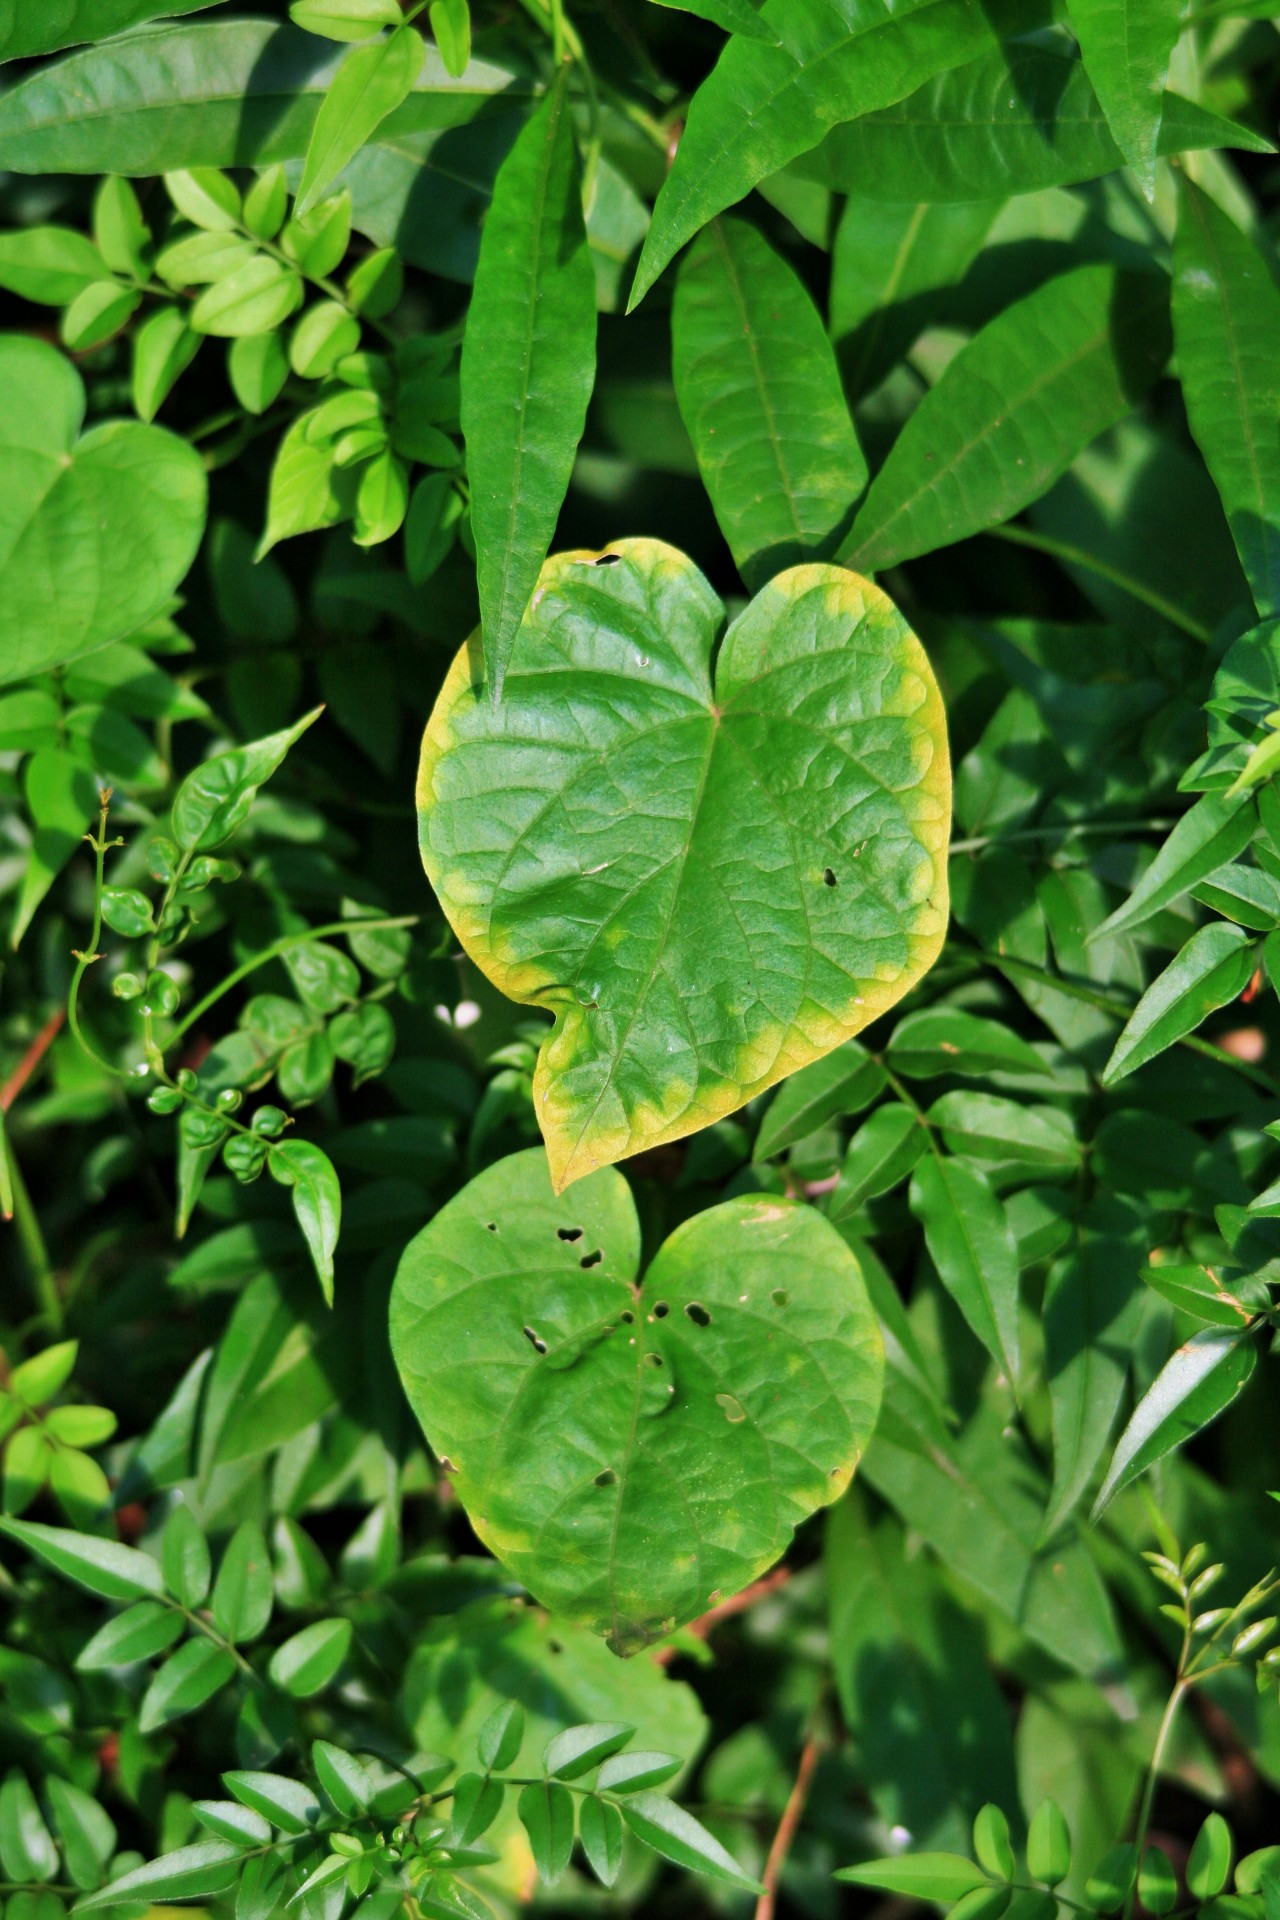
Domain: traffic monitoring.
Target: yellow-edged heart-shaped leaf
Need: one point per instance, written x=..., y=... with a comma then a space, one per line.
x=712, y=867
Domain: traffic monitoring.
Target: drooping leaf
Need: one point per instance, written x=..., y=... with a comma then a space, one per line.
x=760, y=395
x=971, y=1243
x=1015, y=120
x=1012, y=410
x=1226, y=313
x=1126, y=46
x=577, y=1405
x=762, y=105
x=316, y=1193
x=1213, y=967
x=547, y=1816
x=188, y=1679
x=96, y=530
x=1195, y=1386
x=684, y=980
x=528, y=363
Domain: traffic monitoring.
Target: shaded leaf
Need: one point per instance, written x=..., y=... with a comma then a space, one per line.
x=1214, y=966
x=1195, y=1386
x=971, y=1243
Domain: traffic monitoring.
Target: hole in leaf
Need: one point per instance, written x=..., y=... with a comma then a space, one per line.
x=492, y=1227
x=698, y=1314
x=660, y=1309
x=608, y=559
x=734, y=1411
x=606, y=1479
x=627, y=1317
x=538, y=1345
x=568, y=1233
x=653, y=1360
x=828, y=878
x=779, y=1296
x=592, y=1259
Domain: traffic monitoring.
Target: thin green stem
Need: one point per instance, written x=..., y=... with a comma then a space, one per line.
x=1080, y=557
x=1063, y=829
x=85, y=960
x=1153, y=1772
x=274, y=952
x=36, y=1253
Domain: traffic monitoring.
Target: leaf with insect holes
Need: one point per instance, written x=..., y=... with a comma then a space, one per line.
x=711, y=879
x=624, y=1448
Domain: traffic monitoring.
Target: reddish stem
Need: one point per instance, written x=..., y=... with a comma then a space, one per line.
x=31, y=1058
x=792, y=1814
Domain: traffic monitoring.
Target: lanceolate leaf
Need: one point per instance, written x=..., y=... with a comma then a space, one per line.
x=1126, y=46
x=971, y=1244
x=1092, y=1308
x=1012, y=410
x=1216, y=829
x=371, y=83
x=96, y=530
x=208, y=93
x=763, y=105
x=1196, y=1385
x=26, y=30
x=656, y=860
x=528, y=363
x=1015, y=120
x=1215, y=965
x=760, y=395
x=623, y=1448
x=1226, y=312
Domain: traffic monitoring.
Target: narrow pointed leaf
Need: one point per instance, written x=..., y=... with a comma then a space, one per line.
x=1012, y=411
x=528, y=364
x=26, y=31
x=920, y=1876
x=1217, y=828
x=735, y=16
x=1214, y=967
x=760, y=394
x=971, y=1244
x=189, y=1678
x=211, y=1866
x=371, y=83
x=1126, y=46
x=105, y=1567
x=1196, y=1385
x=674, y=1833
x=1226, y=315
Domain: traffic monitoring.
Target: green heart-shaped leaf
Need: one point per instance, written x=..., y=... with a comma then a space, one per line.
x=711, y=879
x=634, y=1452
x=95, y=532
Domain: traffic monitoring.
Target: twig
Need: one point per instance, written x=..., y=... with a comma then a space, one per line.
x=792, y=1815
x=706, y=1623
x=31, y=1058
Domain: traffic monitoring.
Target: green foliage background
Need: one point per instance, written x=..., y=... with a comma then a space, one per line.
x=315, y=342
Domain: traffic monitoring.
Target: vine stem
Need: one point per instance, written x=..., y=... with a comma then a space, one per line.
x=1080, y=557
x=788, y=1826
x=274, y=952
x=85, y=960
x=1064, y=828
x=1181, y=1687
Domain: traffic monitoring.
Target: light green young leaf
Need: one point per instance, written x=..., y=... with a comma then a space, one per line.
x=211, y=1866
x=1217, y=828
x=346, y=19
x=528, y=364
x=188, y=1679
x=256, y=298
x=1201, y=1380
x=1013, y=409
x=62, y=800
x=665, y=914
x=1020, y=118
x=451, y=26
x=216, y=796
x=243, y=1593
x=27, y=1851
x=50, y=265
x=317, y=1201
x=673, y=1832
x=590, y=1525
x=303, y=484
x=370, y=84
x=163, y=349
x=971, y=1244
x=920, y=1876
x=27, y=31
x=96, y=314
x=1214, y=966
x=105, y=1567
x=307, y=491
x=95, y=531
x=139, y=1633
x=1226, y=316
x=881, y=1154
x=1048, y=1845
x=1209, y=1866
x=992, y=1844
x=1126, y=46
x=85, y=1829
x=762, y=105
x=206, y=196
x=35, y=1381
x=760, y=394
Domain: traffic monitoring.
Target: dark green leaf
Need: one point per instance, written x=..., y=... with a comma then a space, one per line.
x=1213, y=967
x=674, y=1833
x=103, y=1566
x=970, y=1241
x=309, y=1661
x=546, y=1814
x=1195, y=1386
x=317, y=1201
x=192, y=1675
x=841, y=1082
x=209, y=1867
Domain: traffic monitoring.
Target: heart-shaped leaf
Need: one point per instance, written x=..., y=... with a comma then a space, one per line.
x=95, y=532
x=712, y=880
x=634, y=1452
